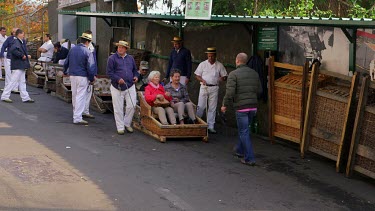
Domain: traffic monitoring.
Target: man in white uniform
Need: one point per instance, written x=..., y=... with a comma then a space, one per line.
x=209, y=72
x=3, y=37
x=46, y=49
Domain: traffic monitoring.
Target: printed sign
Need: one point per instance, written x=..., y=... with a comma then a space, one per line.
x=267, y=38
x=198, y=9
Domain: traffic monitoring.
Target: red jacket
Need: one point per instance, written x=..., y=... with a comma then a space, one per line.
x=151, y=92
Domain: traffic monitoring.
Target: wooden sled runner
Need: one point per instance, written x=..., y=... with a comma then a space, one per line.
x=148, y=124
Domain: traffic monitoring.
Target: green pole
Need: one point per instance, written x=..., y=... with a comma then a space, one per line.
x=353, y=51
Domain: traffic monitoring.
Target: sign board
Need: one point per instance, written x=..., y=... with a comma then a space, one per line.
x=198, y=9
x=267, y=38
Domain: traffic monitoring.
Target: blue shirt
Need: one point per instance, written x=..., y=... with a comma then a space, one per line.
x=6, y=45
x=121, y=68
x=180, y=60
x=80, y=62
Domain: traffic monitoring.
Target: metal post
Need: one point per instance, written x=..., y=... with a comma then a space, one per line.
x=353, y=51
x=180, y=30
x=131, y=32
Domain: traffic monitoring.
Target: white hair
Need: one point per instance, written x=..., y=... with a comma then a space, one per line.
x=153, y=74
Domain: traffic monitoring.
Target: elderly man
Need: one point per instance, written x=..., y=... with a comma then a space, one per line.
x=209, y=72
x=122, y=70
x=143, y=73
x=19, y=62
x=243, y=90
x=3, y=37
x=81, y=65
x=46, y=49
x=180, y=58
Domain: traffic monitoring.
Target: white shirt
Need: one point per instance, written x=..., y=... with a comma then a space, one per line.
x=211, y=73
x=65, y=45
x=2, y=40
x=49, y=47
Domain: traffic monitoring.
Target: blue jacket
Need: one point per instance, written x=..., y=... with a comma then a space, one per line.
x=7, y=45
x=17, y=52
x=80, y=62
x=181, y=61
x=125, y=68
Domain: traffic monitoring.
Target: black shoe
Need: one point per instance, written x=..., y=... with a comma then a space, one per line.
x=249, y=163
x=29, y=101
x=238, y=155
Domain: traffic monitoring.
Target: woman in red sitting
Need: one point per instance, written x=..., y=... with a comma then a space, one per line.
x=155, y=91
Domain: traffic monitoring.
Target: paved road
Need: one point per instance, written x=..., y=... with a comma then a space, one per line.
x=47, y=163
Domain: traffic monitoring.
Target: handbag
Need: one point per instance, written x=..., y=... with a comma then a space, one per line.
x=161, y=103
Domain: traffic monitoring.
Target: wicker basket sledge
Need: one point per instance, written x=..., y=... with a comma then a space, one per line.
x=50, y=79
x=63, y=88
x=362, y=148
x=151, y=126
x=286, y=97
x=101, y=100
x=329, y=108
x=35, y=78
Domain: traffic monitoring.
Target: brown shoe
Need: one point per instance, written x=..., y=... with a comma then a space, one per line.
x=88, y=116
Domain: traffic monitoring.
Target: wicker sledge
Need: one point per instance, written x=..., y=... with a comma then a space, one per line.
x=149, y=125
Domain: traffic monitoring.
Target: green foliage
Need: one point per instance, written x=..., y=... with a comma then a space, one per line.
x=293, y=8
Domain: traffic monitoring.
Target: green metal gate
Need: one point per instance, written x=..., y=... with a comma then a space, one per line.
x=83, y=23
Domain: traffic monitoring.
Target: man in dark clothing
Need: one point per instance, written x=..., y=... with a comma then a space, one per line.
x=60, y=53
x=142, y=78
x=180, y=58
x=243, y=89
x=4, y=54
x=19, y=62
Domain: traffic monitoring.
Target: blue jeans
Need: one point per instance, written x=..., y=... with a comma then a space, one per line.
x=244, y=145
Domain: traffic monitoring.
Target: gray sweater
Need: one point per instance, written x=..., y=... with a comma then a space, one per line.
x=243, y=88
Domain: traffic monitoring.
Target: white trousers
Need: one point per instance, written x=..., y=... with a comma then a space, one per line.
x=79, y=92
x=17, y=79
x=118, y=98
x=2, y=63
x=208, y=95
x=8, y=72
x=88, y=99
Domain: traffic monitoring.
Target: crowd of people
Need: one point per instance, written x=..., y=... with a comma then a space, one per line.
x=168, y=97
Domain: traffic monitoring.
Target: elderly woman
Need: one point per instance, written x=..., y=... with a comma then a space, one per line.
x=180, y=97
x=155, y=91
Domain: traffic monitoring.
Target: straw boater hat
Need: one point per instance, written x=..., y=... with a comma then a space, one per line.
x=86, y=36
x=211, y=50
x=122, y=43
x=62, y=41
x=176, y=39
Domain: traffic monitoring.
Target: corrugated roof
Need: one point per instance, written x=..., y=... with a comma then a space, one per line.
x=316, y=21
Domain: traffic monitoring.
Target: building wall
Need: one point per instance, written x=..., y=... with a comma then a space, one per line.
x=53, y=20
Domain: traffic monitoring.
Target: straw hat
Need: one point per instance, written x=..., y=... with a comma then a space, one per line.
x=176, y=39
x=122, y=43
x=211, y=50
x=62, y=41
x=86, y=36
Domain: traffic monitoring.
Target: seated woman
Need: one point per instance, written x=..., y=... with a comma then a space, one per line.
x=155, y=91
x=180, y=97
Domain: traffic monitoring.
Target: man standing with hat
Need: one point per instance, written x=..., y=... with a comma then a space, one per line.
x=143, y=73
x=81, y=66
x=209, y=72
x=180, y=59
x=123, y=73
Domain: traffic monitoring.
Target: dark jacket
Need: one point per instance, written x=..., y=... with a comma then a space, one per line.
x=6, y=46
x=243, y=88
x=60, y=54
x=181, y=61
x=17, y=52
x=178, y=95
x=80, y=62
x=121, y=68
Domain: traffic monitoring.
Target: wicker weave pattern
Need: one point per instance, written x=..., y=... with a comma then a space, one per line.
x=288, y=102
x=368, y=131
x=329, y=115
x=365, y=163
x=324, y=146
x=63, y=91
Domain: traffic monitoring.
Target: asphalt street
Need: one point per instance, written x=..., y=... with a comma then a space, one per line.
x=47, y=163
